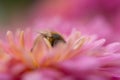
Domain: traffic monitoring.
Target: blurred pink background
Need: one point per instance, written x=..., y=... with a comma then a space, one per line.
x=99, y=17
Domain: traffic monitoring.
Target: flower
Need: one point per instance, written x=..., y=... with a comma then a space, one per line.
x=27, y=56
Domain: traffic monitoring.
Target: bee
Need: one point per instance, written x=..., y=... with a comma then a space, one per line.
x=53, y=38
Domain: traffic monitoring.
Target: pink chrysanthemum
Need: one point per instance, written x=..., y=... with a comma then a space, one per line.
x=80, y=58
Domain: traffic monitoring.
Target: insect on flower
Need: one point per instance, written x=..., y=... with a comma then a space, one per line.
x=52, y=38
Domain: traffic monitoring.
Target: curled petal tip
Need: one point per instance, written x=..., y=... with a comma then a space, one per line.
x=9, y=32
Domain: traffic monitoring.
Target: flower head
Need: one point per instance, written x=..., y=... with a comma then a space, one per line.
x=28, y=56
